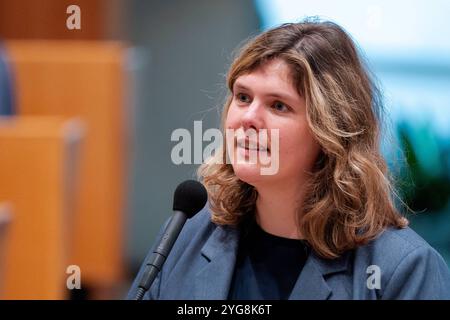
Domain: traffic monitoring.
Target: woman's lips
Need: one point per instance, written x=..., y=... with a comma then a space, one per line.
x=251, y=145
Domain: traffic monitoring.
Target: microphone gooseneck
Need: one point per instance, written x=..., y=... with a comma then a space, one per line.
x=189, y=198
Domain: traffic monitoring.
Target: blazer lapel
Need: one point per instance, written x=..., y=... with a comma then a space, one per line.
x=212, y=282
x=311, y=284
x=219, y=254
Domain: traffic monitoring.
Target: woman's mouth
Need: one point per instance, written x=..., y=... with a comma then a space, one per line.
x=251, y=145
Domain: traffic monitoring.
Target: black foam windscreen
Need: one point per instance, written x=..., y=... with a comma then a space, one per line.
x=190, y=197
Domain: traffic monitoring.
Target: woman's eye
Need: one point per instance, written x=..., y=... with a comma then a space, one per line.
x=280, y=107
x=243, y=97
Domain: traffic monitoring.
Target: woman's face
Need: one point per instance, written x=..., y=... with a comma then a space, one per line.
x=267, y=99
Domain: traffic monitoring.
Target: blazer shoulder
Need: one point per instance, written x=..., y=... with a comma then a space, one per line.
x=194, y=234
x=394, y=244
x=200, y=223
x=409, y=266
x=400, y=240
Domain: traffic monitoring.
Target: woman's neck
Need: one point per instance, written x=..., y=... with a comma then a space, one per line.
x=276, y=210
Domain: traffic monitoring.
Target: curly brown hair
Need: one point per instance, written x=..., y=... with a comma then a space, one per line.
x=349, y=196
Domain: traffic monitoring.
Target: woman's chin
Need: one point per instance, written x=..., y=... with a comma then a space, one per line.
x=249, y=173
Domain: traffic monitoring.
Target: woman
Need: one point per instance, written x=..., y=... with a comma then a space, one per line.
x=323, y=225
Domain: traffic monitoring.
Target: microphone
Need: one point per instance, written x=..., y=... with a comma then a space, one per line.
x=189, y=198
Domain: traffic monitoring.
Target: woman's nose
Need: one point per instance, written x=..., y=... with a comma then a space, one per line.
x=253, y=117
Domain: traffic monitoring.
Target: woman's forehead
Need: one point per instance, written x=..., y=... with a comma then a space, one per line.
x=273, y=76
x=275, y=69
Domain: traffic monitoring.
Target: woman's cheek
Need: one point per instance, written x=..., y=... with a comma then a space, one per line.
x=232, y=119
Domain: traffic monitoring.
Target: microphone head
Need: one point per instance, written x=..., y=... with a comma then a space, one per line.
x=190, y=197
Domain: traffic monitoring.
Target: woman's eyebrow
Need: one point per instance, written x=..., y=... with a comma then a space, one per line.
x=282, y=96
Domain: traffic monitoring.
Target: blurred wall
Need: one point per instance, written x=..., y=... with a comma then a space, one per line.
x=182, y=52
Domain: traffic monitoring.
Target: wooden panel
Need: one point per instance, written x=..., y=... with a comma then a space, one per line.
x=33, y=177
x=5, y=221
x=84, y=79
x=46, y=19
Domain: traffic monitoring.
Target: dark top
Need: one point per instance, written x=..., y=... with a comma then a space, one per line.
x=267, y=266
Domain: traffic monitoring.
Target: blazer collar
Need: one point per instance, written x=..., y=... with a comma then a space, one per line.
x=213, y=280
x=219, y=257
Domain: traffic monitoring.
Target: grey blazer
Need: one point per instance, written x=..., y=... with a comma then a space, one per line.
x=399, y=264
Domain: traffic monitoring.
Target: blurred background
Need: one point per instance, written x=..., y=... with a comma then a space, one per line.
x=90, y=95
